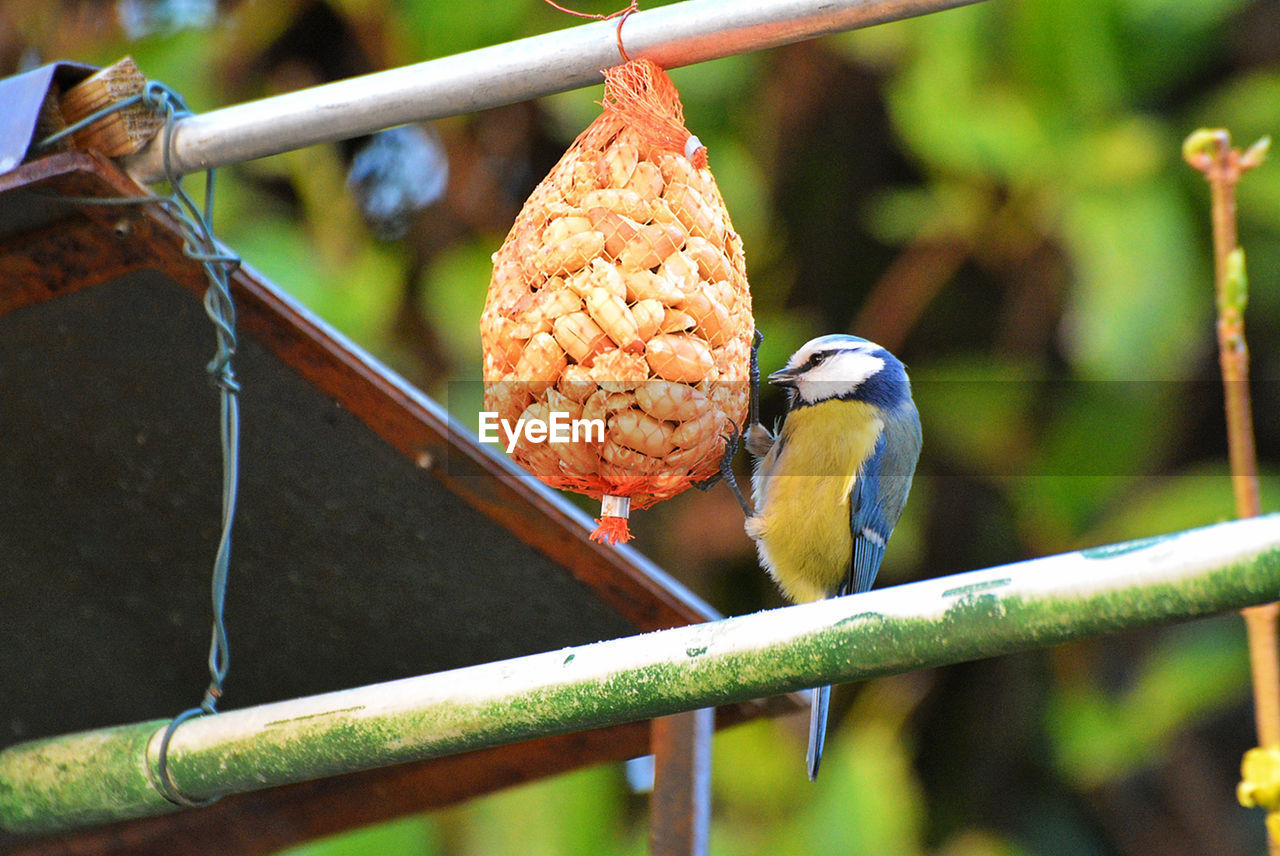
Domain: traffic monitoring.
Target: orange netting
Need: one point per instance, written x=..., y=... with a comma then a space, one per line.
x=620, y=299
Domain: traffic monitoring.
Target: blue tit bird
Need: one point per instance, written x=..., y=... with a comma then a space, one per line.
x=830, y=487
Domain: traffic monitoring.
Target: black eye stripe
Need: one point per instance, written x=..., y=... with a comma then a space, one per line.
x=819, y=357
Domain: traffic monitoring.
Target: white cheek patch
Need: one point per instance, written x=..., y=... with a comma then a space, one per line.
x=838, y=374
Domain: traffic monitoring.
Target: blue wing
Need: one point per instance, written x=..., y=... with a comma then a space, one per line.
x=868, y=524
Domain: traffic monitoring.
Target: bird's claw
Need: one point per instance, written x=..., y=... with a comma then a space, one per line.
x=731, y=441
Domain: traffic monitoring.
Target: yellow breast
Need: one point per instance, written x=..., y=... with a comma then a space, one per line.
x=801, y=525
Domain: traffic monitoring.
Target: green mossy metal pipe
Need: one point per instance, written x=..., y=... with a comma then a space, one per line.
x=102, y=776
x=80, y=779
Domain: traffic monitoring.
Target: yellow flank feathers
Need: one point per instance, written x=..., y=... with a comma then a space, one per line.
x=805, y=497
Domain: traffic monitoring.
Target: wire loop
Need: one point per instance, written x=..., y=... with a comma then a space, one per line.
x=164, y=779
x=621, y=15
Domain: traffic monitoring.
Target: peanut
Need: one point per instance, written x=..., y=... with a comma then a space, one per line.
x=558, y=402
x=580, y=337
x=547, y=303
x=662, y=213
x=694, y=459
x=677, y=321
x=575, y=177
x=724, y=291
x=646, y=180
x=650, y=246
x=640, y=431
x=673, y=402
x=613, y=316
x=679, y=357
x=552, y=206
x=538, y=410
x=505, y=344
x=539, y=458
x=530, y=327
x=561, y=228
x=694, y=431
x=645, y=285
x=713, y=265
x=571, y=254
x=681, y=271
x=675, y=167
x=678, y=170
x=648, y=314
x=606, y=276
x=594, y=407
x=580, y=282
x=615, y=402
x=697, y=215
x=559, y=300
x=581, y=459
x=619, y=371
x=732, y=359
x=507, y=396
x=627, y=463
x=628, y=203
x=621, y=158
x=616, y=228
x=543, y=359
x=576, y=383
x=711, y=316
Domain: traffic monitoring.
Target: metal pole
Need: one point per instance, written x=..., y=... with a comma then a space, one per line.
x=108, y=775
x=676, y=35
x=680, y=808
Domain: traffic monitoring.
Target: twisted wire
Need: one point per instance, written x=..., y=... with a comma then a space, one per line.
x=199, y=245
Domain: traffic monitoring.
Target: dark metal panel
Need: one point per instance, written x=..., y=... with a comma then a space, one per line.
x=351, y=565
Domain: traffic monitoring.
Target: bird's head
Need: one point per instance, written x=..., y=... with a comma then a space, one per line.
x=844, y=367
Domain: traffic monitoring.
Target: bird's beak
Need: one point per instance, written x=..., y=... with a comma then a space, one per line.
x=783, y=377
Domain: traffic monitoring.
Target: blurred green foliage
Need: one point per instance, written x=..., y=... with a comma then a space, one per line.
x=994, y=192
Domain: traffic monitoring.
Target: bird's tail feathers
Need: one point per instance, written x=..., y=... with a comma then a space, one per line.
x=820, y=701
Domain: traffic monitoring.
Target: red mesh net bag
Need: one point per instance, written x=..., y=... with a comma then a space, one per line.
x=619, y=310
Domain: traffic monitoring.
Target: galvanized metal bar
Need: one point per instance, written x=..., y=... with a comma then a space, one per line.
x=108, y=775
x=677, y=35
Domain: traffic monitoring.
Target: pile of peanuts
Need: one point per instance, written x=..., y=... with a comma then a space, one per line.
x=621, y=294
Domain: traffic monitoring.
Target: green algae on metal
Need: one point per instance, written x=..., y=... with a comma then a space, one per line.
x=107, y=775
x=981, y=625
x=79, y=779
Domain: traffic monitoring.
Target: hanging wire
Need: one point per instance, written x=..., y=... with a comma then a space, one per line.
x=622, y=15
x=219, y=263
